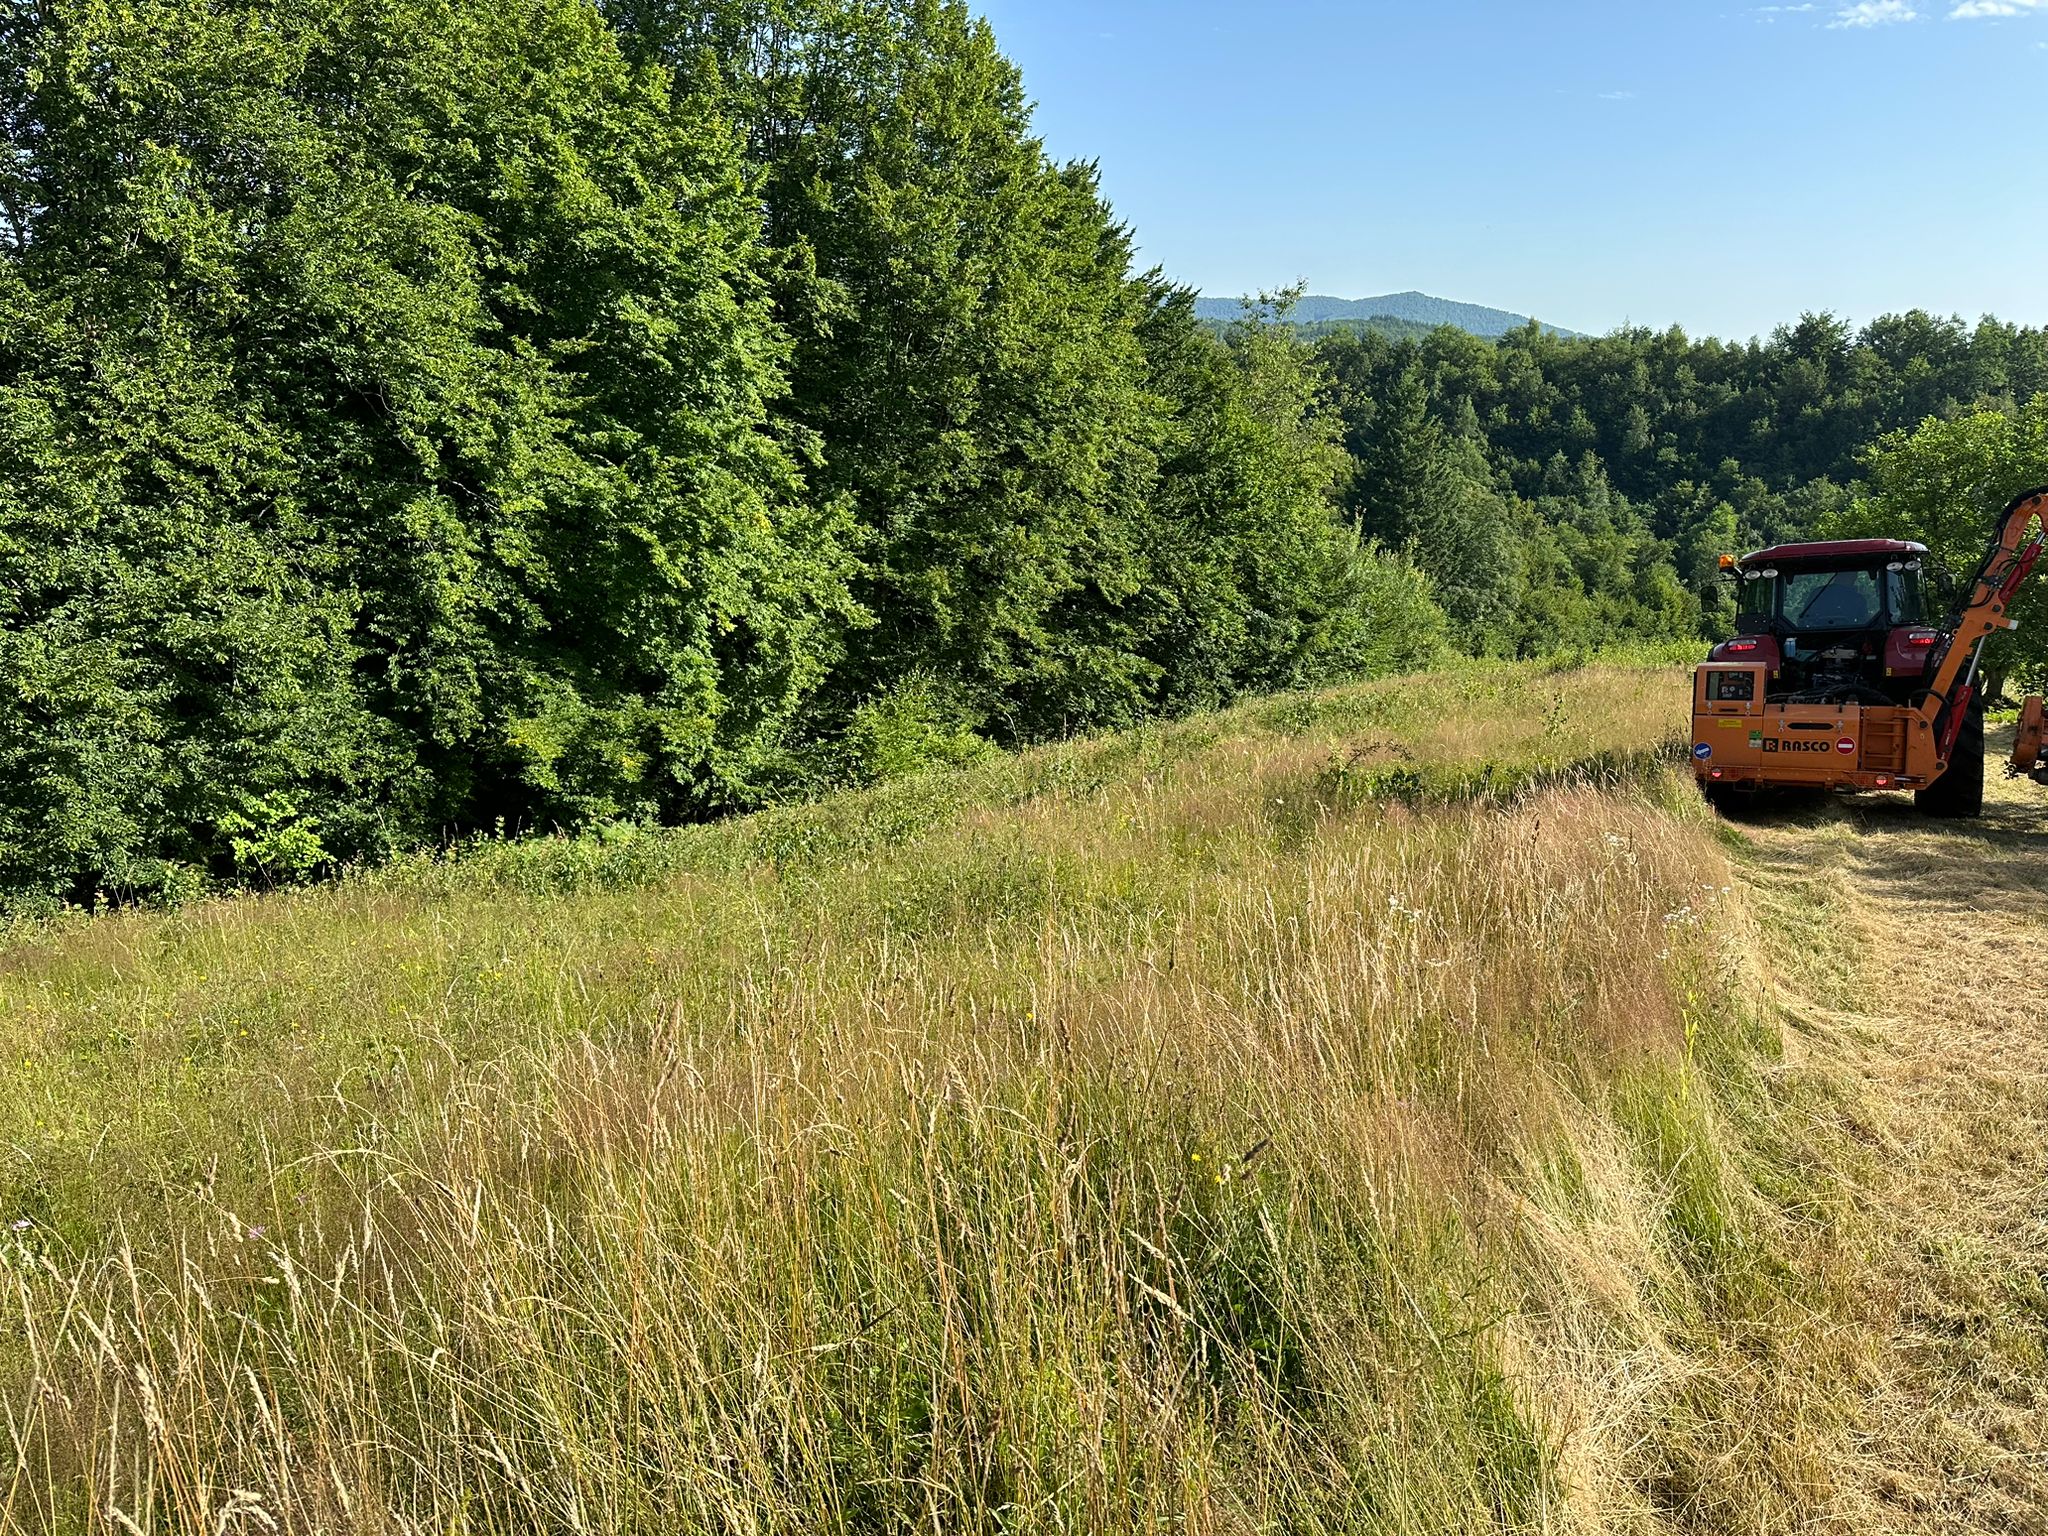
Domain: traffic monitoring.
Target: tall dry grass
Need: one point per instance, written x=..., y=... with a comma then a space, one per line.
x=1334, y=1115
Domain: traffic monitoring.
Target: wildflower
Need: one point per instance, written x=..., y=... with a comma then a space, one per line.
x=21, y=1225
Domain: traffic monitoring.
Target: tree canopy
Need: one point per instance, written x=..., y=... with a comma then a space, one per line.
x=1946, y=484
x=385, y=439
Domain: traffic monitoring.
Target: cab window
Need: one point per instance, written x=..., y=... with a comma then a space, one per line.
x=1757, y=598
x=1905, y=596
x=1832, y=600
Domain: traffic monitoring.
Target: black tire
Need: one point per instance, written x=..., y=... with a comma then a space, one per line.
x=1959, y=793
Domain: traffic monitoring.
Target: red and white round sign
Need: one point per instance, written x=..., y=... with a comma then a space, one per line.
x=1846, y=744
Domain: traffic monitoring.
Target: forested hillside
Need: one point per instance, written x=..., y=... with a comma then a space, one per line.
x=1316, y=330
x=1574, y=491
x=419, y=418
x=1411, y=308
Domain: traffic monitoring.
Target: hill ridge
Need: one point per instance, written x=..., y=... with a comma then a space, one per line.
x=1410, y=306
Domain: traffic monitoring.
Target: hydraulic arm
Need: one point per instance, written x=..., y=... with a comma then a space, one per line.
x=1938, y=716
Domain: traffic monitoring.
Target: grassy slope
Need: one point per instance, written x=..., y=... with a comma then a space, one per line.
x=1341, y=1113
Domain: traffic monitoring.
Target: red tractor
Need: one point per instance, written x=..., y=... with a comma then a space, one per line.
x=1836, y=678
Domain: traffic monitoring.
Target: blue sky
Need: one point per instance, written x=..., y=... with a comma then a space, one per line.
x=1718, y=166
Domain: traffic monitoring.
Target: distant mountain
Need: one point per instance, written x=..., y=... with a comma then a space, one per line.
x=1413, y=309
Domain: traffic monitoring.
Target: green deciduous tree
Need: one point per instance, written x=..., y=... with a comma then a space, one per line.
x=1078, y=509
x=966, y=351
x=1945, y=484
x=384, y=439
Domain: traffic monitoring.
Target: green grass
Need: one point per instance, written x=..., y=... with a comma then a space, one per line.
x=1336, y=1114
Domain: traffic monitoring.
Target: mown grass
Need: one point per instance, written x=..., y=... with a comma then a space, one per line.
x=1344, y=1113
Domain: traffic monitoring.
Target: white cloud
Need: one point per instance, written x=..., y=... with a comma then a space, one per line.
x=1873, y=13
x=1617, y=95
x=1977, y=10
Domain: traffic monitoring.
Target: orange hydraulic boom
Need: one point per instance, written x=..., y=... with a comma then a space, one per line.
x=1952, y=685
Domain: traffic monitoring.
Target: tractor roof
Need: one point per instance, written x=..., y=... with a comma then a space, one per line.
x=1831, y=549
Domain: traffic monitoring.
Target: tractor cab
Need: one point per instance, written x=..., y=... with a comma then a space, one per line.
x=1843, y=621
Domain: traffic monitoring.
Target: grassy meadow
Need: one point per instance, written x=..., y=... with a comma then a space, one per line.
x=1348, y=1112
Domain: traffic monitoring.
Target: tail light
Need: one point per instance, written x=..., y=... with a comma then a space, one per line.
x=1740, y=647
x=1883, y=781
x=1714, y=773
x=1924, y=639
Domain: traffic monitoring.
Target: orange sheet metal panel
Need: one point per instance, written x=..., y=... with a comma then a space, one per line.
x=1738, y=739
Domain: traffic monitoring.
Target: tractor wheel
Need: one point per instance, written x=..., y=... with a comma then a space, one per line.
x=1959, y=793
